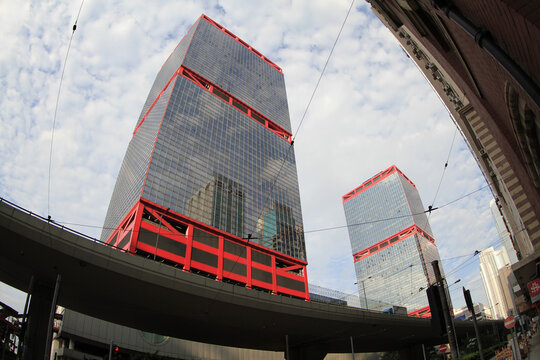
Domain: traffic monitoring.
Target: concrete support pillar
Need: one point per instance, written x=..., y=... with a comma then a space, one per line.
x=38, y=319
x=306, y=352
x=415, y=352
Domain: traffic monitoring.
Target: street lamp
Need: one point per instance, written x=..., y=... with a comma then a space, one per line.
x=492, y=309
x=364, y=290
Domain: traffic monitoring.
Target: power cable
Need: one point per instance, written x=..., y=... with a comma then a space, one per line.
x=326, y=228
x=306, y=110
x=56, y=109
x=477, y=252
x=444, y=170
x=462, y=264
x=455, y=257
x=323, y=70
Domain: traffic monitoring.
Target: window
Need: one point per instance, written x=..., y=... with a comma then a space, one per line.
x=527, y=132
x=220, y=94
x=239, y=106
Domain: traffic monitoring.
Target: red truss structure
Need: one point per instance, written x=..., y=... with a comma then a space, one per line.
x=152, y=230
x=422, y=313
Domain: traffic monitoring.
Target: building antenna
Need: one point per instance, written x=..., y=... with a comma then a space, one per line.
x=56, y=110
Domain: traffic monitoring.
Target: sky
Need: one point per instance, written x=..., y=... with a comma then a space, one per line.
x=372, y=109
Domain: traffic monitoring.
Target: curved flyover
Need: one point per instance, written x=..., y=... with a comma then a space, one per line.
x=103, y=282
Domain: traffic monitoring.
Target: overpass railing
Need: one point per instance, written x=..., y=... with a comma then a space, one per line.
x=51, y=221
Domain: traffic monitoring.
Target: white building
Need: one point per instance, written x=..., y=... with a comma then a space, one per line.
x=502, y=229
x=498, y=281
x=481, y=311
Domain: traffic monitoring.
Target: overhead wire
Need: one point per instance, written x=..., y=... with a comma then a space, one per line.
x=444, y=170
x=319, y=229
x=74, y=27
x=477, y=252
x=306, y=110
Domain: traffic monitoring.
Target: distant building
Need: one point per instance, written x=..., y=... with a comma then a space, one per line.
x=504, y=232
x=331, y=296
x=392, y=257
x=481, y=311
x=499, y=282
x=482, y=58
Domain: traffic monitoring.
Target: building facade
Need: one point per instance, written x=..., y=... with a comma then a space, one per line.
x=481, y=311
x=503, y=231
x=482, y=58
x=499, y=282
x=209, y=178
x=392, y=257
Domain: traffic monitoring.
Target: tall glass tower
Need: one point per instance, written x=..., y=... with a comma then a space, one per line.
x=392, y=242
x=212, y=152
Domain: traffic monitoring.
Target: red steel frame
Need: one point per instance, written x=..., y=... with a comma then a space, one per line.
x=374, y=180
x=246, y=45
x=422, y=313
x=126, y=237
x=154, y=102
x=234, y=101
x=224, y=96
x=392, y=240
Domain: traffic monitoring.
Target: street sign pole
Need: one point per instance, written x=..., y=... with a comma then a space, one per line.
x=446, y=311
x=468, y=301
x=510, y=323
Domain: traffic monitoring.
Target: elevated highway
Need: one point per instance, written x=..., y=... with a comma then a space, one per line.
x=130, y=290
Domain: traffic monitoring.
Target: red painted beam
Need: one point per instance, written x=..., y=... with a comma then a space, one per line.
x=391, y=240
x=374, y=180
x=264, y=58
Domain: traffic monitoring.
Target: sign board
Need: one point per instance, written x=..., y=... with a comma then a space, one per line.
x=442, y=349
x=509, y=322
x=534, y=290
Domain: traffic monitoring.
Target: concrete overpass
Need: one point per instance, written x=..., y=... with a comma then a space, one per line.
x=103, y=282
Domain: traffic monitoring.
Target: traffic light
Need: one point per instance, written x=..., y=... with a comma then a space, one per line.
x=468, y=300
x=114, y=351
x=435, y=305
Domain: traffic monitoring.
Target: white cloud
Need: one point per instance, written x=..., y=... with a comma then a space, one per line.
x=372, y=109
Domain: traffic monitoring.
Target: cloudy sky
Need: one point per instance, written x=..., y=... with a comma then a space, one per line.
x=373, y=108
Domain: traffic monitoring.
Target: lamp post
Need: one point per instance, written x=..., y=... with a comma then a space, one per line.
x=364, y=290
x=492, y=310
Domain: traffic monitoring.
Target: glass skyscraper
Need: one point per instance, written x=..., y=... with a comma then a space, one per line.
x=392, y=242
x=212, y=149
